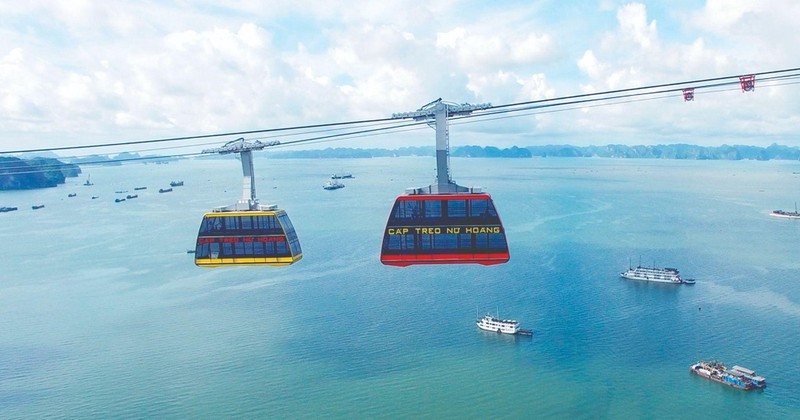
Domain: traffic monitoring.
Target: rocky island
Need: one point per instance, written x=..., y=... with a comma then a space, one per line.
x=40, y=172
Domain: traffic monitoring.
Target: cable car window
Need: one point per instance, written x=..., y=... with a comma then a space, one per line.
x=247, y=222
x=426, y=241
x=288, y=228
x=405, y=209
x=479, y=208
x=267, y=248
x=465, y=241
x=400, y=242
x=258, y=248
x=456, y=208
x=227, y=249
x=481, y=241
x=392, y=242
x=497, y=240
x=273, y=221
x=287, y=224
x=211, y=224
x=433, y=209
x=230, y=223
x=492, y=210
x=281, y=248
x=214, y=249
x=447, y=241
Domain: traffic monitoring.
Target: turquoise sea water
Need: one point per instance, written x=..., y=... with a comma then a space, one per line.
x=105, y=315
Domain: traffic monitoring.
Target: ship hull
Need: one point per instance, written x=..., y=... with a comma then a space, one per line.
x=786, y=215
x=497, y=329
x=652, y=280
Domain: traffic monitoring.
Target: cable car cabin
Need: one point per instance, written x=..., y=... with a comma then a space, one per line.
x=250, y=237
x=444, y=229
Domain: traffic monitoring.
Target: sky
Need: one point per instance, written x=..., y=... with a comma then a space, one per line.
x=81, y=72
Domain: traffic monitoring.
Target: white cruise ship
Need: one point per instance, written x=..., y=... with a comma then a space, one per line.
x=505, y=326
x=654, y=274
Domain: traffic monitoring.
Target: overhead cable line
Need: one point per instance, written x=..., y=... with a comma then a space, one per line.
x=332, y=137
x=587, y=98
x=201, y=136
x=466, y=119
x=496, y=109
x=663, y=85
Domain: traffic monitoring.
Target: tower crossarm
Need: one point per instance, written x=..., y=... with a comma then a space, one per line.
x=431, y=109
x=241, y=145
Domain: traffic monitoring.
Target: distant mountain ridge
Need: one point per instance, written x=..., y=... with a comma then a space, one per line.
x=42, y=172
x=661, y=151
x=671, y=151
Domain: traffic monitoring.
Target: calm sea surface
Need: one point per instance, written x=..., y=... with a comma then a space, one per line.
x=104, y=314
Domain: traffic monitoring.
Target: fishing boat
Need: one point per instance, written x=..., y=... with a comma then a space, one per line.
x=736, y=377
x=37, y=206
x=131, y=196
x=176, y=184
x=333, y=185
x=342, y=175
x=786, y=214
x=164, y=190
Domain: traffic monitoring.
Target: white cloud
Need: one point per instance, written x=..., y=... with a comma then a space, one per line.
x=723, y=15
x=492, y=50
x=450, y=39
x=75, y=90
x=77, y=71
x=590, y=65
x=633, y=25
x=527, y=88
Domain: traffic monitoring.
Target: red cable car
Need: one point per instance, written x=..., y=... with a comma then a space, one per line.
x=444, y=229
x=443, y=223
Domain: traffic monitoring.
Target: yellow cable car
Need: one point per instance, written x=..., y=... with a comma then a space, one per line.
x=262, y=237
x=246, y=233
